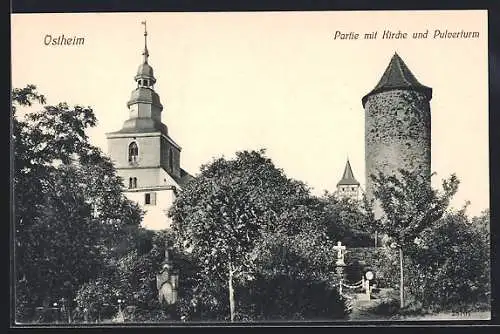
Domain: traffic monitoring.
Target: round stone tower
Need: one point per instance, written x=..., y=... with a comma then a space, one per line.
x=397, y=125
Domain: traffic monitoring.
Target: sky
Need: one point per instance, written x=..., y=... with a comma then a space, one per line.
x=273, y=80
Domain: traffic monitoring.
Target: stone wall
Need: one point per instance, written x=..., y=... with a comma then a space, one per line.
x=397, y=134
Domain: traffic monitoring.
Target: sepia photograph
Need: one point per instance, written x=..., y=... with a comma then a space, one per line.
x=250, y=167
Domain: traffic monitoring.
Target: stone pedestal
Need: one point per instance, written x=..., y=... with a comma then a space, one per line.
x=340, y=272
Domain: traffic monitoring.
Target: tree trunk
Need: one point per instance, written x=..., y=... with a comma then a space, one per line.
x=231, y=293
x=401, y=279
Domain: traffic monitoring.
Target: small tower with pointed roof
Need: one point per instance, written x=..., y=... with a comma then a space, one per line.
x=397, y=125
x=348, y=186
x=143, y=152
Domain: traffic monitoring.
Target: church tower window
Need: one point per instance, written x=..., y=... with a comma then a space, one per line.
x=133, y=152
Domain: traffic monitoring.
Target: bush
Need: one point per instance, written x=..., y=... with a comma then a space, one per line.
x=444, y=272
x=447, y=268
x=283, y=297
x=96, y=300
x=150, y=315
x=386, y=307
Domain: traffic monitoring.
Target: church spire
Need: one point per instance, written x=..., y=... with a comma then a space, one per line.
x=145, y=53
x=348, y=176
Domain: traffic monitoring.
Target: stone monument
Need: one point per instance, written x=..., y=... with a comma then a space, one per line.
x=167, y=281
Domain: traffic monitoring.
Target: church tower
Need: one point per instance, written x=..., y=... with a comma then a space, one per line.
x=397, y=125
x=144, y=154
x=348, y=186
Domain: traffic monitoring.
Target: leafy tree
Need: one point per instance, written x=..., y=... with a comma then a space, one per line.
x=294, y=279
x=450, y=265
x=131, y=278
x=222, y=213
x=97, y=298
x=348, y=221
x=410, y=205
x=227, y=212
x=70, y=213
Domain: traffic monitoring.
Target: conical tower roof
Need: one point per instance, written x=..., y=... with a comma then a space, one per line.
x=398, y=76
x=348, y=177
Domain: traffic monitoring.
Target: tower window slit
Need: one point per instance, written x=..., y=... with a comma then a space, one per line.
x=171, y=159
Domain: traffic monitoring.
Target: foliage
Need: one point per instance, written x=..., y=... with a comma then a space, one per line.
x=283, y=297
x=294, y=280
x=410, y=206
x=386, y=307
x=70, y=214
x=133, y=278
x=450, y=265
x=349, y=221
x=97, y=298
x=231, y=217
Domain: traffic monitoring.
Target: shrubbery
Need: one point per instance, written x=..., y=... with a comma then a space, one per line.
x=449, y=269
x=448, y=266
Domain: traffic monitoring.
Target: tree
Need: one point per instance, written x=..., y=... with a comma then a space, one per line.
x=348, y=221
x=410, y=205
x=294, y=279
x=70, y=213
x=222, y=214
x=450, y=263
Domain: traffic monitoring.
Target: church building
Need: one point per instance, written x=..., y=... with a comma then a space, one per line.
x=144, y=154
x=348, y=186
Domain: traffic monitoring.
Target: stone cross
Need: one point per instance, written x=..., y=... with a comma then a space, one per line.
x=340, y=253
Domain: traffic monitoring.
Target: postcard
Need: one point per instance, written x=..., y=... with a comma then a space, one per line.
x=250, y=167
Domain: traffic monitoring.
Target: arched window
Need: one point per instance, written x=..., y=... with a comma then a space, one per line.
x=133, y=152
x=130, y=184
x=134, y=182
x=171, y=160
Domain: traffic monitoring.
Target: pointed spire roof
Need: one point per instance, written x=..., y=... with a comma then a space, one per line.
x=348, y=177
x=398, y=76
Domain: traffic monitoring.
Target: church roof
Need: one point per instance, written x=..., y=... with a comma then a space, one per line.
x=348, y=177
x=146, y=95
x=142, y=125
x=398, y=76
x=145, y=71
